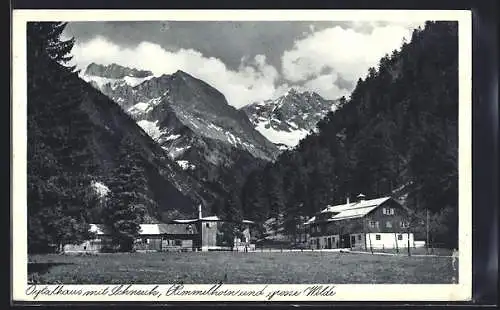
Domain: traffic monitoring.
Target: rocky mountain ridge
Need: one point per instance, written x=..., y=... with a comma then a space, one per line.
x=194, y=124
x=289, y=118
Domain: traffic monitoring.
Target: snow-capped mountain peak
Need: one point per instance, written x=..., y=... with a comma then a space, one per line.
x=289, y=118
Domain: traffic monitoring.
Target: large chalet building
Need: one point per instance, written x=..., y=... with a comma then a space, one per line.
x=363, y=224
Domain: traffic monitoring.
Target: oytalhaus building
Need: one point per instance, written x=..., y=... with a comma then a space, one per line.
x=198, y=234
x=363, y=224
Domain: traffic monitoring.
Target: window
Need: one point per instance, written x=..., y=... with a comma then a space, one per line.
x=400, y=237
x=359, y=237
x=388, y=211
x=377, y=237
x=373, y=224
x=388, y=224
x=207, y=225
x=405, y=224
x=145, y=240
x=178, y=242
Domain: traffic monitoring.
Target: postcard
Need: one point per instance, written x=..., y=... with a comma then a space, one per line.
x=260, y=155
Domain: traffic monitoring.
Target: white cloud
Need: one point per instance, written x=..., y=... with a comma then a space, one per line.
x=342, y=51
x=253, y=81
x=324, y=86
x=314, y=62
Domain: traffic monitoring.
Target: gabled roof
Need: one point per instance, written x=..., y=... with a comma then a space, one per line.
x=185, y=221
x=152, y=229
x=353, y=213
x=171, y=229
x=357, y=205
x=177, y=229
x=351, y=210
x=149, y=229
x=206, y=218
x=213, y=218
x=98, y=229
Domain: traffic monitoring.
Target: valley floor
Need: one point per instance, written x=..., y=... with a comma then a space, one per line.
x=233, y=267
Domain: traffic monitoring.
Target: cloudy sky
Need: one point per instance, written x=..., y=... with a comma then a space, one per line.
x=246, y=61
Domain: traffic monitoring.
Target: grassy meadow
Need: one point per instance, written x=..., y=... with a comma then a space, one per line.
x=233, y=267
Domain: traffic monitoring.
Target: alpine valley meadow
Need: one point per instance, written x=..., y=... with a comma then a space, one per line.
x=122, y=147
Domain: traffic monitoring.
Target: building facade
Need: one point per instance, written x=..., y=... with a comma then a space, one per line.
x=200, y=234
x=380, y=223
x=212, y=234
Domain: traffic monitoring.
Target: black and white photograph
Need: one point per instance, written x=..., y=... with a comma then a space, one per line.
x=176, y=152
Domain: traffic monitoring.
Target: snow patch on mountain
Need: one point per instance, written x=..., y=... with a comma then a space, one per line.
x=144, y=107
x=176, y=152
x=134, y=81
x=289, y=139
x=171, y=137
x=114, y=83
x=184, y=164
x=98, y=80
x=151, y=128
x=100, y=188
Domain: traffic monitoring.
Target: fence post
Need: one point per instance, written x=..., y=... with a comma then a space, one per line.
x=370, y=239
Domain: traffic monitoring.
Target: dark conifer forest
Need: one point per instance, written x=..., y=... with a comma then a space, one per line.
x=396, y=135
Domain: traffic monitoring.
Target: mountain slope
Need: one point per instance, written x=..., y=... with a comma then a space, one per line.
x=86, y=133
x=195, y=125
x=289, y=118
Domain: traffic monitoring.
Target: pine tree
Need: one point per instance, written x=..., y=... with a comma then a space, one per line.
x=127, y=205
x=44, y=41
x=58, y=194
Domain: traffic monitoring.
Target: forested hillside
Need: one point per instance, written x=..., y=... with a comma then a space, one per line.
x=397, y=131
x=88, y=161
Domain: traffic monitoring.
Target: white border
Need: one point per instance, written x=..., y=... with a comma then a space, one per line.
x=345, y=292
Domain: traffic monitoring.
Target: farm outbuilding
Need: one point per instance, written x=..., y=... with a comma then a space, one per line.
x=200, y=234
x=376, y=223
x=212, y=230
x=90, y=246
x=166, y=237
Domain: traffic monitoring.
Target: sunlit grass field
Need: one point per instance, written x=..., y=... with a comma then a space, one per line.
x=233, y=267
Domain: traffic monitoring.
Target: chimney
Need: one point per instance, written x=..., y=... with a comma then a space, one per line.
x=361, y=197
x=199, y=212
